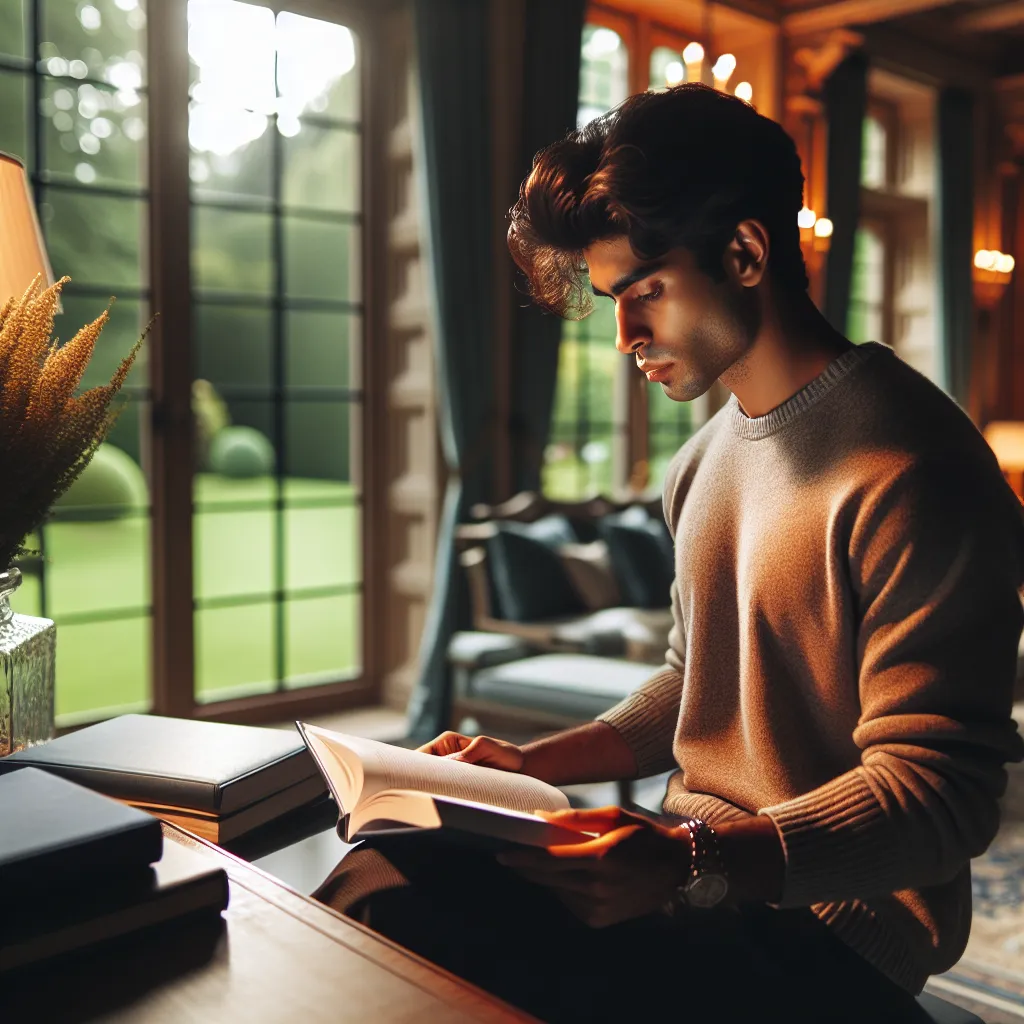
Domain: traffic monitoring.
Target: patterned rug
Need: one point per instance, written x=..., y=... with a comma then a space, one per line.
x=989, y=979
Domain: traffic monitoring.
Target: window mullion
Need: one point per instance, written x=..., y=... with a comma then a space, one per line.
x=170, y=359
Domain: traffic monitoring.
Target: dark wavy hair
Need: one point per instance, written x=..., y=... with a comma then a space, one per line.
x=676, y=168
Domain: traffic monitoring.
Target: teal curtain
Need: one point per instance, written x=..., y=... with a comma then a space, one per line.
x=455, y=193
x=845, y=106
x=551, y=86
x=956, y=236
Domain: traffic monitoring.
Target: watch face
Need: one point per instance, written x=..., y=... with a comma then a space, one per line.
x=707, y=890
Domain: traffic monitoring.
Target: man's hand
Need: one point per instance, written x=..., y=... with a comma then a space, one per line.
x=481, y=750
x=633, y=867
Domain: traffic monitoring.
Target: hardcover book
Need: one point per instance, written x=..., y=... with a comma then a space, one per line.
x=208, y=768
x=53, y=830
x=384, y=788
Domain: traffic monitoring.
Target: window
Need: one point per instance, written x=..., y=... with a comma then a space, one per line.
x=610, y=428
x=275, y=127
x=892, y=290
x=78, y=119
x=274, y=130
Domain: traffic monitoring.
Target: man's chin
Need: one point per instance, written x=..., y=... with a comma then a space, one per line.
x=686, y=390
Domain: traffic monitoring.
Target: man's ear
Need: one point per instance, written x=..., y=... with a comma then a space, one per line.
x=746, y=255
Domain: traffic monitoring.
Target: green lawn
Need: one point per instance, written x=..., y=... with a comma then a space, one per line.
x=101, y=570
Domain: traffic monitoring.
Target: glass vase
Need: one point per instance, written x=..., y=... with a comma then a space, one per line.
x=28, y=647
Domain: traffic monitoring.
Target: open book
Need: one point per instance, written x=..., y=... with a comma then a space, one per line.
x=383, y=788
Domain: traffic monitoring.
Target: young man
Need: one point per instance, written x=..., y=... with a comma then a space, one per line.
x=838, y=684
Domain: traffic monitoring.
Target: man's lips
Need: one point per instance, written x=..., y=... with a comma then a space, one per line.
x=657, y=372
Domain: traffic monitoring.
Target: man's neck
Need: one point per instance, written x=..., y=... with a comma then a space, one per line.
x=794, y=344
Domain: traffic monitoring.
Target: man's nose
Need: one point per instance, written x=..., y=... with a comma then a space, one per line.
x=630, y=336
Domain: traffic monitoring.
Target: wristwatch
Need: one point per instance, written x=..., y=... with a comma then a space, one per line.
x=708, y=882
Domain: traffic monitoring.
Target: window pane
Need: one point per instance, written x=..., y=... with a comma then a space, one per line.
x=319, y=439
x=321, y=260
x=244, y=171
x=14, y=134
x=100, y=565
x=99, y=39
x=102, y=667
x=316, y=68
x=322, y=349
x=323, y=641
x=234, y=551
x=867, y=288
x=604, y=72
x=95, y=239
x=321, y=168
x=232, y=251
x=13, y=40
x=235, y=651
x=666, y=67
x=873, y=161
x=323, y=544
x=91, y=136
x=233, y=344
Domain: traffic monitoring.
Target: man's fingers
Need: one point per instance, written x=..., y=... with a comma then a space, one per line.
x=596, y=847
x=588, y=819
x=445, y=744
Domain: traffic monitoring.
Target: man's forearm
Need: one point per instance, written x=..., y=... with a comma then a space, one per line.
x=754, y=859
x=593, y=752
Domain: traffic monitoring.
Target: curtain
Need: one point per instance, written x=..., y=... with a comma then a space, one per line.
x=554, y=31
x=845, y=107
x=454, y=181
x=956, y=236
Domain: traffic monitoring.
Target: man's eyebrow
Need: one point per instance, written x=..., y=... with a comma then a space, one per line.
x=630, y=279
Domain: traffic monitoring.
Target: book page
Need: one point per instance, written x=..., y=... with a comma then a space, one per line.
x=390, y=767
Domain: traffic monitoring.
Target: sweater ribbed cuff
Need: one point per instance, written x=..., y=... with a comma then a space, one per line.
x=647, y=720
x=838, y=843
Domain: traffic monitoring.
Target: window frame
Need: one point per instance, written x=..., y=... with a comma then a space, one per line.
x=167, y=423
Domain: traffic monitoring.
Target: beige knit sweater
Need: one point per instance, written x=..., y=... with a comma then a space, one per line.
x=846, y=621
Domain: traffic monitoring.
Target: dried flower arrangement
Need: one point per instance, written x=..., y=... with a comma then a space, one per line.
x=47, y=433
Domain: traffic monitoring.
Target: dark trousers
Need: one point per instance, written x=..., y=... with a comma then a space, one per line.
x=462, y=910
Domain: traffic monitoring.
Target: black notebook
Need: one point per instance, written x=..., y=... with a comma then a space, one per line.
x=182, y=884
x=176, y=762
x=52, y=830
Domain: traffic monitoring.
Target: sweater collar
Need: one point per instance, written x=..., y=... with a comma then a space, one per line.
x=754, y=428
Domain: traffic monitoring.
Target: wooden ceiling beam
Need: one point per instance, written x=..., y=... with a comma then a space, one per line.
x=992, y=19
x=846, y=13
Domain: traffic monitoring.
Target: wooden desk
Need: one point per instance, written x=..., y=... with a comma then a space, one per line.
x=277, y=956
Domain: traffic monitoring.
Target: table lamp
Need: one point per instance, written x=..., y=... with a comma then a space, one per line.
x=22, y=252
x=1006, y=439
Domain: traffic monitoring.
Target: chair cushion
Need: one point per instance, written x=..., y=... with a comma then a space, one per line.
x=642, y=557
x=943, y=1012
x=590, y=571
x=608, y=631
x=529, y=580
x=575, y=685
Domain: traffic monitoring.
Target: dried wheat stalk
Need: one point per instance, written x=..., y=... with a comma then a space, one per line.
x=47, y=433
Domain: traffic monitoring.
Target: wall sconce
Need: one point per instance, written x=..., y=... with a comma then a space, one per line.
x=992, y=272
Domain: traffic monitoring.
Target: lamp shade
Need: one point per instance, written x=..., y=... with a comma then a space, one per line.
x=1006, y=439
x=22, y=253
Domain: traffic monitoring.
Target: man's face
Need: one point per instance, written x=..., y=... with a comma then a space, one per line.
x=684, y=329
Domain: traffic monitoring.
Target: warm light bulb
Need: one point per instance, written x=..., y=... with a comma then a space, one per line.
x=822, y=227
x=674, y=73
x=981, y=258
x=745, y=92
x=693, y=54
x=1004, y=263
x=724, y=67
x=805, y=218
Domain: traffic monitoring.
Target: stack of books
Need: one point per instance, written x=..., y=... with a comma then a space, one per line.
x=77, y=868
x=218, y=781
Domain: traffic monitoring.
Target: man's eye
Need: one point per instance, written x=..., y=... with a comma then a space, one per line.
x=651, y=295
